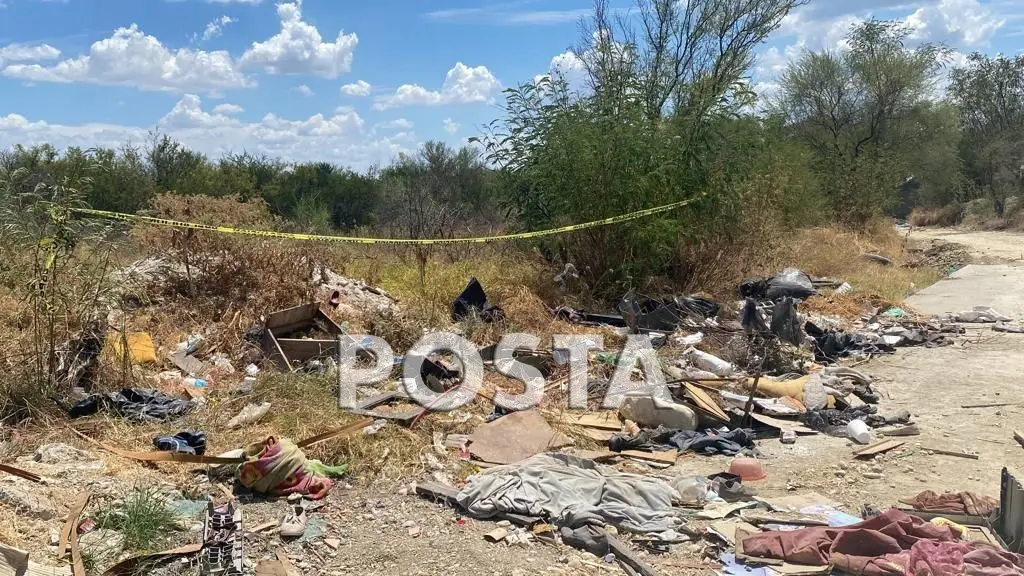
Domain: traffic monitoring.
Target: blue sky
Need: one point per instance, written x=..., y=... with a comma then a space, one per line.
x=353, y=83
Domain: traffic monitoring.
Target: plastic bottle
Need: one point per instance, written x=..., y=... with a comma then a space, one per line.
x=196, y=382
x=858, y=431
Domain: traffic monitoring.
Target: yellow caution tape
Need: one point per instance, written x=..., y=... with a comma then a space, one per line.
x=358, y=240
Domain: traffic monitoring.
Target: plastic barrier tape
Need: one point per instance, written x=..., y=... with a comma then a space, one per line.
x=357, y=240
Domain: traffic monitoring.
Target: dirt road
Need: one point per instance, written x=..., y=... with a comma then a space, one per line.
x=988, y=246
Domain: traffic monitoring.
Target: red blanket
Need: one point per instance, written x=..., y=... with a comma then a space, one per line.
x=893, y=544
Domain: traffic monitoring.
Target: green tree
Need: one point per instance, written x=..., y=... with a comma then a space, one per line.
x=861, y=111
x=989, y=94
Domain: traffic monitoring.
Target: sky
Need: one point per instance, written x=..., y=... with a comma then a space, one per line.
x=347, y=82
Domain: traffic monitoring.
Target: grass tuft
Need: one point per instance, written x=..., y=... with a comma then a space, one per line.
x=142, y=518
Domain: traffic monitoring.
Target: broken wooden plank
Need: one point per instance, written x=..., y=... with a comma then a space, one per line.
x=705, y=402
x=599, y=435
x=342, y=432
x=877, y=448
x=627, y=557
x=666, y=457
x=134, y=564
x=1018, y=437
x=764, y=517
x=77, y=563
x=909, y=430
x=992, y=405
x=783, y=424
x=603, y=421
x=16, y=562
x=952, y=453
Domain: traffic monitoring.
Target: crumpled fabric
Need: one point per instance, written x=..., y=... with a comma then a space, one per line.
x=953, y=502
x=572, y=492
x=875, y=547
x=278, y=467
x=710, y=442
x=135, y=404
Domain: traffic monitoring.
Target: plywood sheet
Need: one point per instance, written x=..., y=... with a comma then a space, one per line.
x=515, y=437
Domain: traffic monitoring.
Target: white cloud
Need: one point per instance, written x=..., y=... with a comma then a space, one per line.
x=28, y=53
x=305, y=90
x=399, y=123
x=955, y=22
x=358, y=88
x=299, y=49
x=451, y=126
x=132, y=58
x=501, y=14
x=227, y=109
x=340, y=137
x=462, y=85
x=215, y=28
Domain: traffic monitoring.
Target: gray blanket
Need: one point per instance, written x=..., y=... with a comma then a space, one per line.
x=571, y=492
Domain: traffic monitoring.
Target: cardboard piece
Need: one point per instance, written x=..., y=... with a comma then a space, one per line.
x=719, y=512
x=704, y=401
x=726, y=529
x=515, y=437
x=795, y=502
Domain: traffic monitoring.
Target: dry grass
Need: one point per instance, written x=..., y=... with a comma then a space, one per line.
x=835, y=253
x=949, y=215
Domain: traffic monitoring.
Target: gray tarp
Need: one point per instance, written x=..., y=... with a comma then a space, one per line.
x=572, y=491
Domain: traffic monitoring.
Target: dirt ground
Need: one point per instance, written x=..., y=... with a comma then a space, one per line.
x=987, y=246
x=385, y=529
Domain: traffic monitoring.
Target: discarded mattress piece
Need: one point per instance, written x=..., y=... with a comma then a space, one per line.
x=893, y=543
x=473, y=299
x=135, y=404
x=278, y=467
x=572, y=492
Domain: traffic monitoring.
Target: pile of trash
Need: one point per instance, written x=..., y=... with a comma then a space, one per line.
x=349, y=295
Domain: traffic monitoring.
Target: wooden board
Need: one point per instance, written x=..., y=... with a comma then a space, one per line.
x=795, y=502
x=783, y=424
x=952, y=453
x=515, y=437
x=599, y=435
x=1018, y=437
x=600, y=420
x=909, y=430
x=877, y=448
x=705, y=402
x=667, y=457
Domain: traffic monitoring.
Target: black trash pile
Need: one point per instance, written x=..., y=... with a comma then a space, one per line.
x=709, y=442
x=834, y=422
x=134, y=404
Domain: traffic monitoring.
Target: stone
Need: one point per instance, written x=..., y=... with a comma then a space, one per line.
x=27, y=504
x=872, y=475
x=503, y=523
x=414, y=531
x=59, y=453
x=101, y=540
x=408, y=524
x=332, y=543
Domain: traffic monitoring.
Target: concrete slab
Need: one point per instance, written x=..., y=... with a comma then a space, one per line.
x=1000, y=286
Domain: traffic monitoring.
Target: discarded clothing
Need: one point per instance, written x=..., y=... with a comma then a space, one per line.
x=472, y=300
x=139, y=405
x=829, y=420
x=571, y=492
x=182, y=442
x=278, y=467
x=891, y=544
x=728, y=443
x=953, y=502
